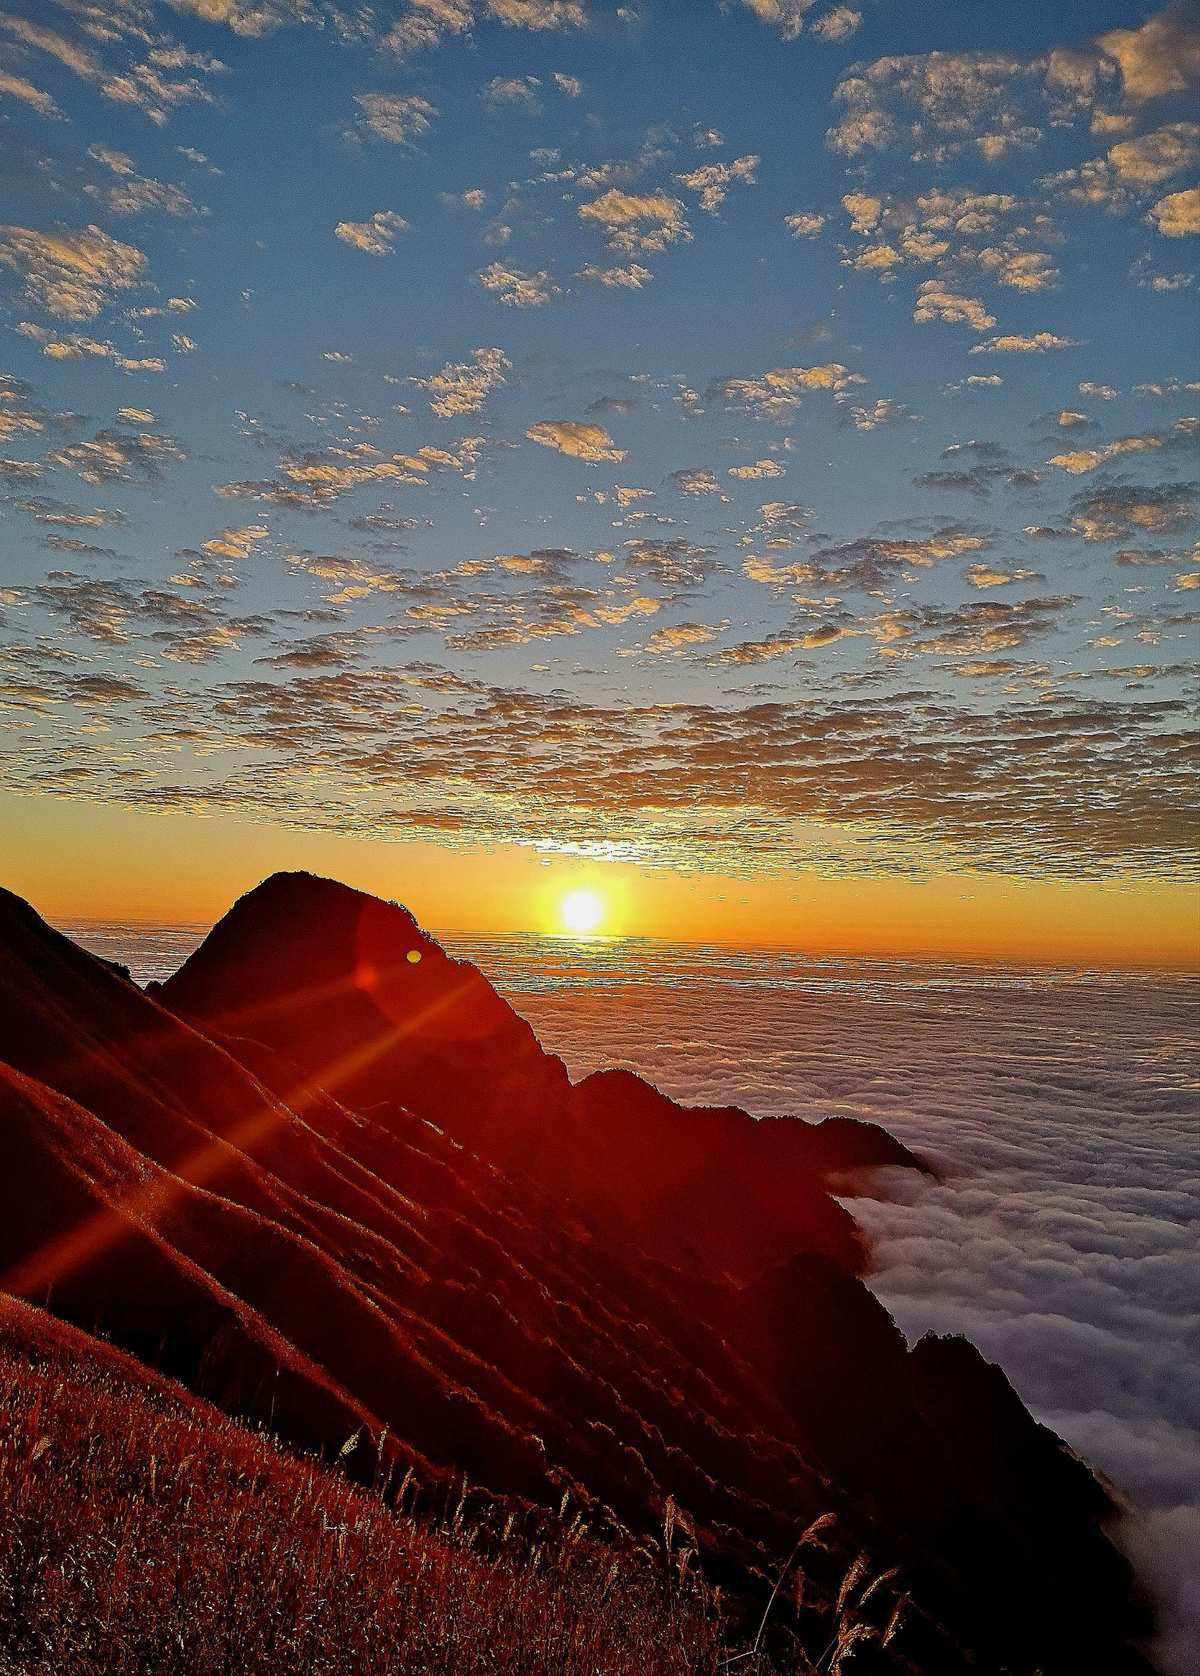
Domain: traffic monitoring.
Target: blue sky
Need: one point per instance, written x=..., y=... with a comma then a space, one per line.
x=734, y=437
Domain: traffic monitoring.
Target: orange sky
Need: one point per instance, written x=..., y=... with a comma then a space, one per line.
x=78, y=861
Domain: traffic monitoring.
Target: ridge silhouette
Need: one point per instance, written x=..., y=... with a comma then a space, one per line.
x=319, y=972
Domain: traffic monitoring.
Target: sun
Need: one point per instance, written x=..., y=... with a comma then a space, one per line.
x=581, y=912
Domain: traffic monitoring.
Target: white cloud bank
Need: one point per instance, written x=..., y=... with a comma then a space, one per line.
x=1062, y=1239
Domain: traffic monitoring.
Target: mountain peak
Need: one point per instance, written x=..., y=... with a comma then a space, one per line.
x=308, y=896
x=351, y=991
x=351, y=988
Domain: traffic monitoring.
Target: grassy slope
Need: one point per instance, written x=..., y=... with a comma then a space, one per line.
x=141, y=1531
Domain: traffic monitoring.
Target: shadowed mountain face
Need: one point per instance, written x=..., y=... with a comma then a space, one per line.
x=345, y=1190
x=350, y=989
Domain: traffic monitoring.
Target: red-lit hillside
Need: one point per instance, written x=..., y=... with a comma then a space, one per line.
x=344, y=1192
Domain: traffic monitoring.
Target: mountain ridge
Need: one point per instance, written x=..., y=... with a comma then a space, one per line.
x=466, y=1292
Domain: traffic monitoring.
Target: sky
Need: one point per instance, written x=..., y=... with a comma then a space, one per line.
x=737, y=457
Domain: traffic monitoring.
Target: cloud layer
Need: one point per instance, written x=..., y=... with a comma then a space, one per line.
x=1058, y=1106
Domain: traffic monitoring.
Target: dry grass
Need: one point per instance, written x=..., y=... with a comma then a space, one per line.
x=138, y=1534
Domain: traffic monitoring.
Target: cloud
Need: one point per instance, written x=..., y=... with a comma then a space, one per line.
x=804, y=224
x=777, y=394
x=154, y=86
x=1165, y=283
x=977, y=480
x=377, y=237
x=512, y=90
x=987, y=576
x=68, y=53
x=135, y=194
x=420, y=27
x=1177, y=215
x=16, y=87
x=396, y=117
x=1155, y=157
x=462, y=387
x=950, y=229
x=786, y=15
x=235, y=543
x=252, y=18
x=713, y=180
x=539, y=14
x=864, y=211
x=118, y=456
x=575, y=437
x=937, y=104
x=1182, y=435
x=837, y=24
x=517, y=289
x=422, y=23
x=935, y=302
x=678, y=565
x=77, y=346
x=15, y=422
x=757, y=471
x=311, y=480
x=886, y=411
x=686, y=780
x=696, y=481
x=1114, y=512
x=630, y=278
x=870, y=561
x=1023, y=270
x=71, y=274
x=61, y=514
x=1168, y=387
x=1095, y=184
x=916, y=98
x=973, y=630
x=1016, y=343
x=679, y=637
x=1159, y=58
x=637, y=222
x=784, y=645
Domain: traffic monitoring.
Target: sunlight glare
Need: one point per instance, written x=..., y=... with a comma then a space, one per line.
x=581, y=912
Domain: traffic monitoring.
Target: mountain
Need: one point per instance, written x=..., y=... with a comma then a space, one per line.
x=344, y=1191
x=144, y=1531
x=383, y=1016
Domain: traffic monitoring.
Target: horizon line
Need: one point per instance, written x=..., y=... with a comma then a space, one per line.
x=975, y=957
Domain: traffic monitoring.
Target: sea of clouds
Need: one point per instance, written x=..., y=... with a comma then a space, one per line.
x=1062, y=1112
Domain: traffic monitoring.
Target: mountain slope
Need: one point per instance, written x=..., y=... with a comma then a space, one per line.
x=141, y=1530
x=479, y=1294
x=373, y=1009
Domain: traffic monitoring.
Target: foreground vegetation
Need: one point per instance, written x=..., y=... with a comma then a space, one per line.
x=140, y=1534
